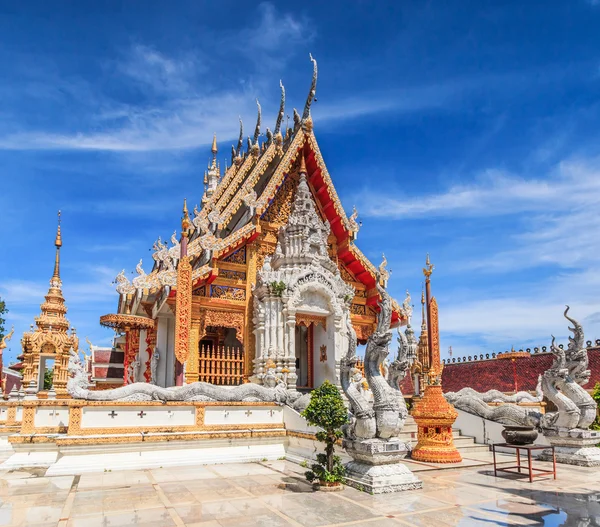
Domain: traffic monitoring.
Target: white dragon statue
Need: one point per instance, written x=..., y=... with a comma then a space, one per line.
x=562, y=384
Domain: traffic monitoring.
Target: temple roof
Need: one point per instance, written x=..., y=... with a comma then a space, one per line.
x=233, y=205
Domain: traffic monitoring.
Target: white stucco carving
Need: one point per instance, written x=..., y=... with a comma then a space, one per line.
x=300, y=278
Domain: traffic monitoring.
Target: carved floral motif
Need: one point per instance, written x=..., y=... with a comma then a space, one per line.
x=303, y=319
x=226, y=319
x=227, y=293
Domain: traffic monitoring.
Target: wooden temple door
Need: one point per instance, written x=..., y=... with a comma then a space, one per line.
x=304, y=356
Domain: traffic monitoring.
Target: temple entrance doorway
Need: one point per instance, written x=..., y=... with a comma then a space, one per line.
x=311, y=347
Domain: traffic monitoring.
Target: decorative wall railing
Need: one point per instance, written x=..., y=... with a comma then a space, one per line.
x=222, y=365
x=516, y=353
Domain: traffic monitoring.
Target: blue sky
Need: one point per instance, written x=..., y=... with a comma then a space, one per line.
x=465, y=129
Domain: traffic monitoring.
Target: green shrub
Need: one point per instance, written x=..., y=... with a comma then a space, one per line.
x=327, y=411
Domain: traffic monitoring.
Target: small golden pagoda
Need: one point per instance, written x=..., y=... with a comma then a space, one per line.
x=433, y=414
x=51, y=339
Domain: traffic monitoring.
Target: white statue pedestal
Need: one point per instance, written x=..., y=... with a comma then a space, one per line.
x=376, y=466
x=573, y=447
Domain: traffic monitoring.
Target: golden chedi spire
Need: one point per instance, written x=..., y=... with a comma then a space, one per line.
x=54, y=308
x=214, y=148
x=50, y=337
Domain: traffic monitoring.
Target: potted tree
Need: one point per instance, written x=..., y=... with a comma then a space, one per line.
x=327, y=411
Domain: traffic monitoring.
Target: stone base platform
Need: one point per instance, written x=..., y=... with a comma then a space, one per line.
x=376, y=466
x=381, y=479
x=574, y=447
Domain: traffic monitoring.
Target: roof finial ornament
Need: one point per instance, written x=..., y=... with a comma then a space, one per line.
x=312, y=92
x=302, y=169
x=238, y=150
x=429, y=267
x=383, y=273
x=214, y=149
x=407, y=307
x=297, y=119
x=281, y=113
x=257, y=128
x=185, y=220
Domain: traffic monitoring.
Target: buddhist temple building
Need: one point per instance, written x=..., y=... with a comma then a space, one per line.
x=266, y=269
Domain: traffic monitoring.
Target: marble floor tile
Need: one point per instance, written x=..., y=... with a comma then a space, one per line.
x=234, y=470
x=313, y=509
x=156, y=517
x=29, y=516
x=452, y=516
x=181, y=474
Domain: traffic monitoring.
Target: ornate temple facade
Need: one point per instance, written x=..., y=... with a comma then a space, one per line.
x=265, y=270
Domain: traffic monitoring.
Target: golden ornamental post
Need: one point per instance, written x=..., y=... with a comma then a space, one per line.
x=183, y=300
x=433, y=414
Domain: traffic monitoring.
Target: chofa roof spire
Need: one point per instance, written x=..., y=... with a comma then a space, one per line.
x=258, y=122
x=281, y=110
x=312, y=92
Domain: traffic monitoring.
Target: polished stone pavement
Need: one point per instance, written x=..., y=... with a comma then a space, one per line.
x=273, y=494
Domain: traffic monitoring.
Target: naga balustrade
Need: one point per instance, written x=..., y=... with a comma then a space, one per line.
x=221, y=365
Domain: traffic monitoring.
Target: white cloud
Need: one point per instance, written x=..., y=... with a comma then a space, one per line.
x=527, y=319
x=496, y=193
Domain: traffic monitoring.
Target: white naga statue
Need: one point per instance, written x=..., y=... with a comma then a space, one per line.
x=562, y=384
x=274, y=390
x=384, y=417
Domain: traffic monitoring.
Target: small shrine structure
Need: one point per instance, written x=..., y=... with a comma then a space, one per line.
x=433, y=414
x=51, y=339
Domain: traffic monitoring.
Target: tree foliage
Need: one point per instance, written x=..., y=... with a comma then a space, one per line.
x=327, y=411
x=3, y=311
x=48, y=378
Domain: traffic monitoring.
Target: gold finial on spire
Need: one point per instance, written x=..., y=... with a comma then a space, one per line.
x=302, y=163
x=58, y=241
x=185, y=220
x=58, y=245
x=214, y=146
x=429, y=267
